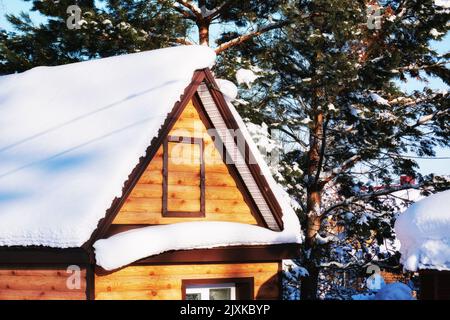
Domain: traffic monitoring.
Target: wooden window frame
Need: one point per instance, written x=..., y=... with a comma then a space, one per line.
x=165, y=197
x=205, y=289
x=244, y=286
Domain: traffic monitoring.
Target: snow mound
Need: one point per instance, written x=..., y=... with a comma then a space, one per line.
x=442, y=3
x=70, y=136
x=127, y=247
x=424, y=233
x=246, y=76
x=394, y=291
x=228, y=89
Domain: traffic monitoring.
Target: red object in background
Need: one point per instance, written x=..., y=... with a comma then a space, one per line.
x=407, y=180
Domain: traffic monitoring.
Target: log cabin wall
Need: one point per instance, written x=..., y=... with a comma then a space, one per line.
x=164, y=282
x=40, y=283
x=223, y=199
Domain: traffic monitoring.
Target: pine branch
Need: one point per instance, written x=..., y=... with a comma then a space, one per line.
x=292, y=135
x=342, y=168
x=369, y=195
x=415, y=67
x=218, y=11
x=182, y=41
x=241, y=39
x=187, y=14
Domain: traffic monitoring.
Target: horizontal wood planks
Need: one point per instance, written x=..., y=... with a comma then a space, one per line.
x=223, y=199
x=163, y=282
x=33, y=283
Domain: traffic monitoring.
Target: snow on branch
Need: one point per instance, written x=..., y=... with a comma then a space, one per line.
x=368, y=195
x=189, y=5
x=185, y=13
x=330, y=175
x=248, y=36
x=425, y=119
x=211, y=14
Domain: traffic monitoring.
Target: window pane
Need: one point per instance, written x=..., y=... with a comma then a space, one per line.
x=220, y=294
x=193, y=296
x=183, y=177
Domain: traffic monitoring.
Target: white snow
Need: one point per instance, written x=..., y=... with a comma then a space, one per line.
x=70, y=136
x=127, y=247
x=363, y=296
x=424, y=233
x=394, y=291
x=228, y=89
x=435, y=33
x=442, y=3
x=378, y=99
x=246, y=76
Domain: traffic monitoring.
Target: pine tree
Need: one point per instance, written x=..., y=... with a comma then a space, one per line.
x=330, y=76
x=127, y=26
x=117, y=27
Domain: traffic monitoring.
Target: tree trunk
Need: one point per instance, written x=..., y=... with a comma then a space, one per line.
x=314, y=202
x=203, y=32
x=309, y=285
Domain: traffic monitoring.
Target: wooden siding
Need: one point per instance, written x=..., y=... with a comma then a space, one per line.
x=38, y=283
x=223, y=200
x=164, y=282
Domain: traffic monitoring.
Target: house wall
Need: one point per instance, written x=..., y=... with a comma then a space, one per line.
x=164, y=282
x=40, y=283
x=434, y=285
x=223, y=199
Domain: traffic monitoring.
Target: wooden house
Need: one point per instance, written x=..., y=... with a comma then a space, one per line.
x=423, y=230
x=133, y=177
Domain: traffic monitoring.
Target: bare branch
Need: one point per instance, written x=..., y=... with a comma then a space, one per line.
x=186, y=14
x=191, y=7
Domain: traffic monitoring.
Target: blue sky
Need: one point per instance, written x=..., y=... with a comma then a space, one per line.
x=438, y=166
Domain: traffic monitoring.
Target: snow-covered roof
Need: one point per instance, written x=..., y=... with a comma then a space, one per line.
x=130, y=246
x=70, y=136
x=424, y=233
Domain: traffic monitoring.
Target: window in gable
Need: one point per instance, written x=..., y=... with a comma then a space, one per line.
x=183, y=177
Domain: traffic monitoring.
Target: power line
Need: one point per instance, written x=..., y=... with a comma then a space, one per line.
x=426, y=158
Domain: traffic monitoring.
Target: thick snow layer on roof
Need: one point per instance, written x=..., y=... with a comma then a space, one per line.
x=70, y=136
x=127, y=247
x=424, y=233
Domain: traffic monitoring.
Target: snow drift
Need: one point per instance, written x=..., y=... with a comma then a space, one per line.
x=424, y=233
